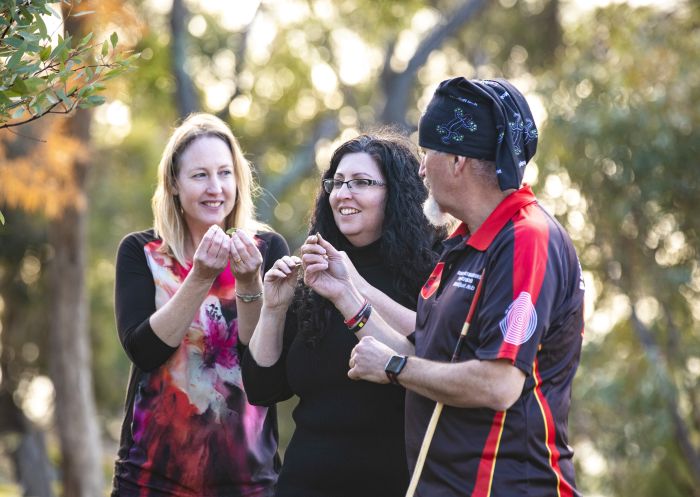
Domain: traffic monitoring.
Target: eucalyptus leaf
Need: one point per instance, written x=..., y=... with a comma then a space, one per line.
x=94, y=100
x=45, y=53
x=13, y=61
x=51, y=97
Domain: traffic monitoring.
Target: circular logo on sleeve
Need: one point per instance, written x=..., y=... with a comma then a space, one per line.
x=520, y=321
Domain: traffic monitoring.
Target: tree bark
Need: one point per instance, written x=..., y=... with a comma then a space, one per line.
x=185, y=94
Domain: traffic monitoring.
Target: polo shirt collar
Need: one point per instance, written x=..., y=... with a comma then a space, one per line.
x=509, y=206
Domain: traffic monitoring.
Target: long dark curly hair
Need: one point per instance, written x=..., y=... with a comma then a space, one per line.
x=407, y=240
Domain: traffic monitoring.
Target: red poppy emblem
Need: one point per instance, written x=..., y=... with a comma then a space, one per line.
x=433, y=282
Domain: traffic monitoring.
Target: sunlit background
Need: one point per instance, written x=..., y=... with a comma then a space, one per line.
x=614, y=87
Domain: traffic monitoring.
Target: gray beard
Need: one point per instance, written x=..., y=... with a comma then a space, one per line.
x=434, y=214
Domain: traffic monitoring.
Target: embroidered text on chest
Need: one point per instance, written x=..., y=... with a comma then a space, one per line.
x=466, y=280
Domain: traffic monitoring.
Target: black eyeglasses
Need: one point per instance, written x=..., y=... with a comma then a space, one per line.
x=354, y=185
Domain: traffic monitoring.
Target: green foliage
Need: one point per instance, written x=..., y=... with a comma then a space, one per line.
x=623, y=129
x=620, y=88
x=39, y=75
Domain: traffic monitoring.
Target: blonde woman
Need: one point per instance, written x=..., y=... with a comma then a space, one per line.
x=187, y=299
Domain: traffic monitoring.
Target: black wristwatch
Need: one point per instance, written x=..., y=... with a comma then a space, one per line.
x=394, y=366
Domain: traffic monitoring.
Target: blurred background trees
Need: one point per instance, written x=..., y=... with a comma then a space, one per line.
x=615, y=91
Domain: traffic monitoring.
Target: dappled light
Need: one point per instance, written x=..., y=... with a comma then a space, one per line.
x=614, y=87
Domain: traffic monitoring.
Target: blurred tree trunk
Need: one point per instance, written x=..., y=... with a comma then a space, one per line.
x=185, y=93
x=76, y=416
x=70, y=361
x=27, y=449
x=23, y=441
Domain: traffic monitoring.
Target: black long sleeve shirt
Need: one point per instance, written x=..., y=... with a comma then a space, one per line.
x=349, y=437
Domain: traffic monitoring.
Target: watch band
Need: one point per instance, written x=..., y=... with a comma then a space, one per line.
x=394, y=366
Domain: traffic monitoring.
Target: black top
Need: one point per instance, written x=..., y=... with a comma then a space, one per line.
x=530, y=313
x=349, y=434
x=188, y=428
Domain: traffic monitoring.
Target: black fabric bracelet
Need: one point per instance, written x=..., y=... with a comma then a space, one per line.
x=356, y=323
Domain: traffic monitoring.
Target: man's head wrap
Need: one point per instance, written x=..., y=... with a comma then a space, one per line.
x=481, y=119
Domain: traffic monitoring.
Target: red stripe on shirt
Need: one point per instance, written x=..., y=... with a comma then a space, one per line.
x=530, y=248
x=564, y=489
x=484, y=475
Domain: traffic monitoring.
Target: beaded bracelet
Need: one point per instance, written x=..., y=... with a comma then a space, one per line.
x=356, y=322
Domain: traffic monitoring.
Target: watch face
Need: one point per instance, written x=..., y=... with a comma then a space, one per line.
x=395, y=364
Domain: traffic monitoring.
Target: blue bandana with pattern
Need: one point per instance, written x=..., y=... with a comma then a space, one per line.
x=482, y=119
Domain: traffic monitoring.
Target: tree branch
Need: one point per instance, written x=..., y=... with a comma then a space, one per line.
x=48, y=110
x=302, y=164
x=9, y=24
x=397, y=86
x=239, y=55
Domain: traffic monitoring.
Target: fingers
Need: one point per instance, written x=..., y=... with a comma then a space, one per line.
x=367, y=360
x=243, y=251
x=314, y=256
x=289, y=263
x=220, y=243
x=311, y=259
x=283, y=268
x=318, y=245
x=330, y=249
x=311, y=246
x=354, y=371
x=213, y=243
x=311, y=268
x=211, y=254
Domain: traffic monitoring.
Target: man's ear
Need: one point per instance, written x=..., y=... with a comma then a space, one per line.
x=460, y=163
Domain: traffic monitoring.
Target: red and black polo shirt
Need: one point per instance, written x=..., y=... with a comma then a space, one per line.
x=530, y=312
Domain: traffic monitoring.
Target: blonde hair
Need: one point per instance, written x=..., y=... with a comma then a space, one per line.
x=168, y=219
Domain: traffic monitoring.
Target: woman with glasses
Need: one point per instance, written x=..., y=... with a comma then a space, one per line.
x=349, y=437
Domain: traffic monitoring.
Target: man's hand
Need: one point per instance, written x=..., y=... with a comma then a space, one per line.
x=368, y=359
